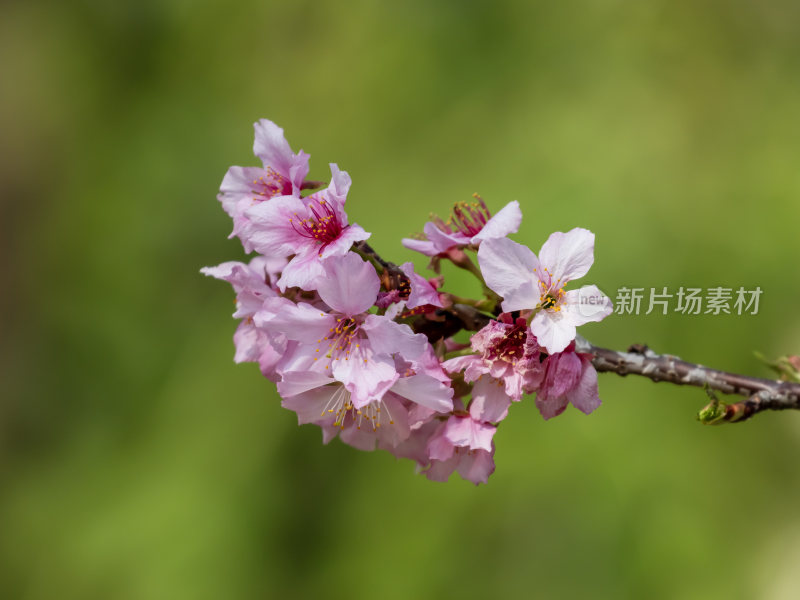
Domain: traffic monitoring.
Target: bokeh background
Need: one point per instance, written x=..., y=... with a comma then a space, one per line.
x=138, y=462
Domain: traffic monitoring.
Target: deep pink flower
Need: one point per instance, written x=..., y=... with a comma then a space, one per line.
x=469, y=225
x=570, y=378
x=312, y=229
x=473, y=465
x=529, y=283
x=283, y=174
x=464, y=444
x=507, y=353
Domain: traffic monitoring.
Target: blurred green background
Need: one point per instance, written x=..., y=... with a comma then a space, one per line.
x=138, y=462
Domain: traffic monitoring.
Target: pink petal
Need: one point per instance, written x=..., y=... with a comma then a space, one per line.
x=586, y=304
x=341, y=245
x=513, y=383
x=362, y=438
x=429, y=364
x=443, y=241
x=551, y=407
x=269, y=309
x=568, y=255
x=298, y=171
x=350, y=285
x=476, y=466
x=270, y=357
x=584, y=395
x=301, y=322
x=366, y=381
x=525, y=297
x=249, y=342
x=249, y=278
x=426, y=391
x=466, y=432
x=440, y=470
x=472, y=366
x=304, y=271
x=422, y=292
x=272, y=148
x=238, y=192
x=249, y=289
x=415, y=446
x=424, y=246
x=392, y=432
x=299, y=382
x=563, y=373
x=388, y=337
x=340, y=185
x=238, y=181
x=310, y=405
x=503, y=223
x=439, y=447
x=418, y=415
x=506, y=265
x=272, y=226
x=300, y=357
x=489, y=400
x=553, y=330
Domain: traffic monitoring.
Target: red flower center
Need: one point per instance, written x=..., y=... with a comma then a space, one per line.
x=324, y=226
x=274, y=184
x=466, y=218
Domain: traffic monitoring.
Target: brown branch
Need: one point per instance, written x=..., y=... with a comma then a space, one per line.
x=760, y=394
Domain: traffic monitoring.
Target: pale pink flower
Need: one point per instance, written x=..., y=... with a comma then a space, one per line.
x=320, y=399
x=252, y=284
x=469, y=225
x=312, y=229
x=413, y=290
x=421, y=291
x=529, y=283
x=352, y=345
x=570, y=378
x=283, y=174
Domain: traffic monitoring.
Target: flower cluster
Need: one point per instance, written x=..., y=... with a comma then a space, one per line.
x=340, y=331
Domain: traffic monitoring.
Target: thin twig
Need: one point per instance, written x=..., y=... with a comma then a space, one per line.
x=761, y=394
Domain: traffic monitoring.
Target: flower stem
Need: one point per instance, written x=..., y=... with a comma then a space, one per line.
x=371, y=257
x=460, y=259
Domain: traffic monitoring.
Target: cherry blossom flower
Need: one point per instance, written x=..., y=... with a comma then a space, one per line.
x=469, y=225
x=312, y=229
x=463, y=443
x=283, y=174
x=355, y=347
x=413, y=289
x=320, y=399
x=509, y=357
x=251, y=282
x=570, y=378
x=529, y=283
x=332, y=333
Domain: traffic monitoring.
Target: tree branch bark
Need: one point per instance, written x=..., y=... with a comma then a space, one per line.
x=760, y=394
